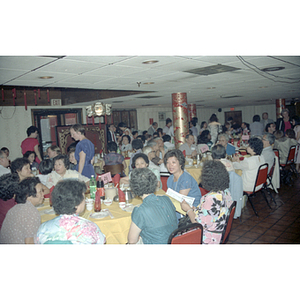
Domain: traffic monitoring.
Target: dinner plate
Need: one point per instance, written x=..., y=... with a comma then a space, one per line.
x=99, y=215
x=49, y=211
x=129, y=208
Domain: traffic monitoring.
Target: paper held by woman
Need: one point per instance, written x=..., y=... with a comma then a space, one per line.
x=179, y=197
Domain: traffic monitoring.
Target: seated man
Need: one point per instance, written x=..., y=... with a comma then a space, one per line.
x=22, y=221
x=223, y=140
x=270, y=128
x=268, y=153
x=167, y=142
x=189, y=147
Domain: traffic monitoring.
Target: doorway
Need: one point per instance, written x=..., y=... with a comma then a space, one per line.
x=236, y=116
x=47, y=121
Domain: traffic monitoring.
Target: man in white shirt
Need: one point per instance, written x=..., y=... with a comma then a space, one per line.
x=168, y=129
x=188, y=146
x=268, y=153
x=4, y=163
x=152, y=128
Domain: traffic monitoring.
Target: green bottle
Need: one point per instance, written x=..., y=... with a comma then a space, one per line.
x=93, y=187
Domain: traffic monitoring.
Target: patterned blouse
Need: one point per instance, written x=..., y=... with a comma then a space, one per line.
x=212, y=213
x=70, y=228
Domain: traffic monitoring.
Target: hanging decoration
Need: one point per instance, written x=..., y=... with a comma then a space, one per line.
x=48, y=96
x=98, y=109
x=25, y=100
x=39, y=94
x=35, y=100
x=3, y=95
x=14, y=94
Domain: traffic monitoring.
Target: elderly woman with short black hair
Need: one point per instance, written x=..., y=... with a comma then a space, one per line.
x=23, y=220
x=181, y=181
x=155, y=219
x=61, y=171
x=250, y=165
x=214, y=206
x=68, y=202
x=21, y=166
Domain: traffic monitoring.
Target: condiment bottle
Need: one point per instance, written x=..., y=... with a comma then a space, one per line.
x=100, y=189
x=97, y=206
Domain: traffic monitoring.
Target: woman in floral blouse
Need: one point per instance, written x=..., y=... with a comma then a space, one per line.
x=213, y=209
x=68, y=201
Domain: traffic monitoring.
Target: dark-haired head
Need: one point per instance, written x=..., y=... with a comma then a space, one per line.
x=143, y=181
x=140, y=155
x=137, y=144
x=67, y=195
x=214, y=176
x=63, y=158
x=177, y=154
x=290, y=133
x=128, y=137
x=204, y=137
x=256, y=118
x=31, y=129
x=218, y=151
x=18, y=164
x=46, y=166
x=256, y=145
x=166, y=138
x=112, y=147
x=27, y=188
x=28, y=153
x=8, y=186
x=78, y=128
x=213, y=118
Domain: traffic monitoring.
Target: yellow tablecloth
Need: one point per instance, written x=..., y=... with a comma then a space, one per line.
x=116, y=229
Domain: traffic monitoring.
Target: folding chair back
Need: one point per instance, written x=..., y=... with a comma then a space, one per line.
x=261, y=177
x=164, y=180
x=276, y=152
x=229, y=223
x=190, y=234
x=203, y=191
x=291, y=156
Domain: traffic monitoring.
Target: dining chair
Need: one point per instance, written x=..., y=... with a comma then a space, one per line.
x=259, y=186
x=229, y=221
x=269, y=180
x=290, y=161
x=114, y=169
x=203, y=191
x=190, y=234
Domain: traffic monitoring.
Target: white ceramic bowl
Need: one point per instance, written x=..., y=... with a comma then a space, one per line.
x=108, y=202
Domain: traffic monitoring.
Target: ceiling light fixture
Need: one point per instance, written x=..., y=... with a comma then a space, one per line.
x=148, y=82
x=148, y=62
x=46, y=77
x=211, y=88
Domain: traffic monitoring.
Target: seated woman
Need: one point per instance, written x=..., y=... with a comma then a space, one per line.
x=223, y=139
x=140, y=160
x=137, y=147
x=283, y=143
x=214, y=206
x=203, y=141
x=155, y=219
x=30, y=155
x=113, y=158
x=68, y=202
x=45, y=168
x=8, y=188
x=250, y=165
x=72, y=159
x=61, y=171
x=125, y=143
x=181, y=181
x=21, y=167
x=23, y=220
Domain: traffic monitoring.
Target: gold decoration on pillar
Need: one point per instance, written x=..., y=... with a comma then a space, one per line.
x=192, y=112
x=280, y=105
x=180, y=118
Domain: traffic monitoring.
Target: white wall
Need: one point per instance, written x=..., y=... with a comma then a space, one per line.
x=14, y=121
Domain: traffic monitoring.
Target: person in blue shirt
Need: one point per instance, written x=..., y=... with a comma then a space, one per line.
x=180, y=180
x=155, y=219
x=223, y=140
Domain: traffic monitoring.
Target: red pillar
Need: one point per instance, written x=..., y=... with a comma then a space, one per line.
x=192, y=111
x=280, y=105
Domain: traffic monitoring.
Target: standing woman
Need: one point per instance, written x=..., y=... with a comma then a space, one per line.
x=31, y=143
x=285, y=122
x=214, y=128
x=85, y=151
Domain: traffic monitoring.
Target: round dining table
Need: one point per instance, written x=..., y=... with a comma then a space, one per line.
x=115, y=225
